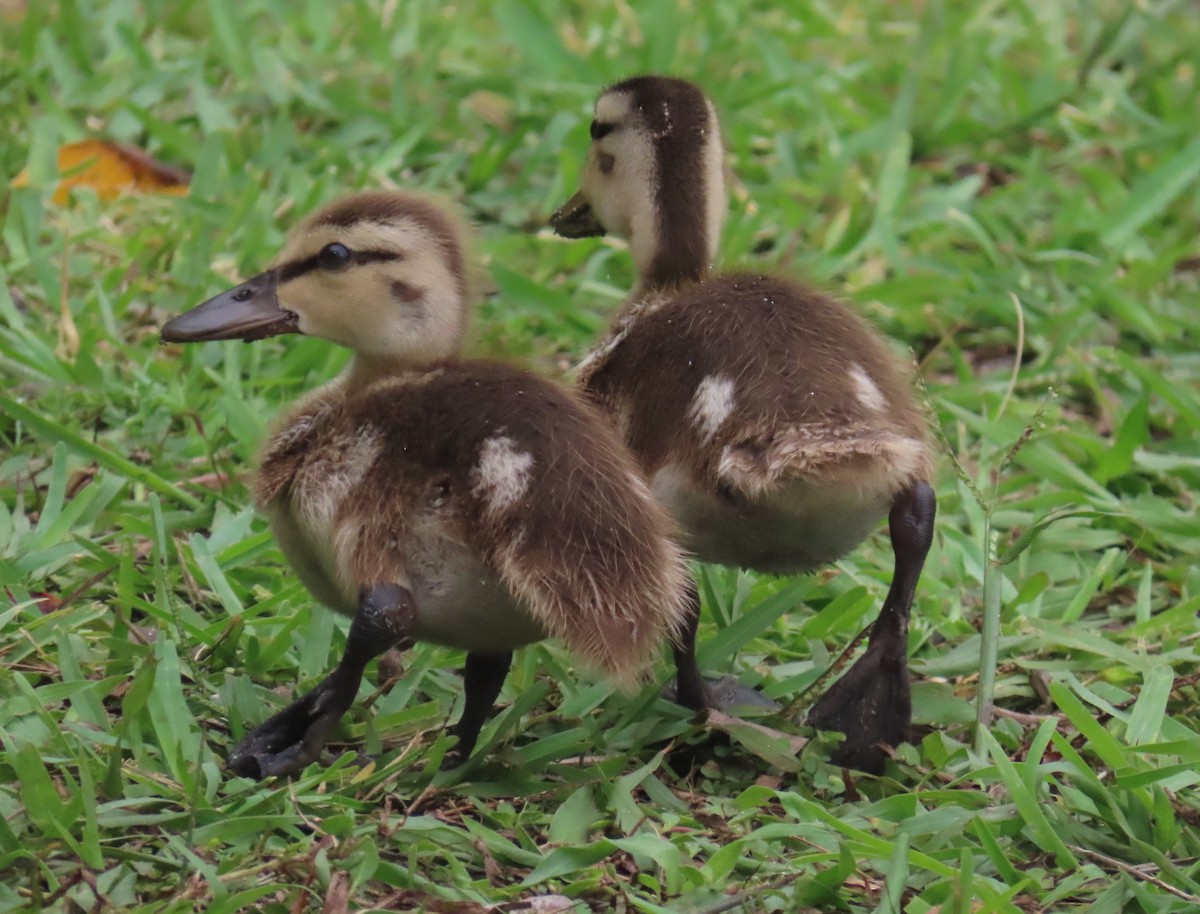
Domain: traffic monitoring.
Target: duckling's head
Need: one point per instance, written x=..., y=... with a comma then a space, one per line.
x=384, y=273
x=654, y=175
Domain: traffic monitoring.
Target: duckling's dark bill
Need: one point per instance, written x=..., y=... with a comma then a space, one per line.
x=575, y=219
x=247, y=312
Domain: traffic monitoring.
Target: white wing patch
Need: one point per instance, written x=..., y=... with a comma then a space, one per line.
x=712, y=404
x=869, y=395
x=502, y=475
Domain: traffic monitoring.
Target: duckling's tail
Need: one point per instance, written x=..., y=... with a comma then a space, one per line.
x=605, y=577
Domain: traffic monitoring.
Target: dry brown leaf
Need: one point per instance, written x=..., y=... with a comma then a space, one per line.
x=337, y=898
x=46, y=601
x=491, y=107
x=218, y=480
x=111, y=169
x=80, y=478
x=491, y=869
x=416, y=900
x=68, y=334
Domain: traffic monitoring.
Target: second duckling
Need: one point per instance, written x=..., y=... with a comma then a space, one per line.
x=466, y=503
x=773, y=421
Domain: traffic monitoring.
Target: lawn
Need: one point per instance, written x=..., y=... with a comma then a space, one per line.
x=1008, y=189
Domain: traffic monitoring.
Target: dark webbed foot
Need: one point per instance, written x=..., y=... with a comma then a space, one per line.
x=871, y=704
x=483, y=677
x=288, y=741
x=723, y=693
x=727, y=694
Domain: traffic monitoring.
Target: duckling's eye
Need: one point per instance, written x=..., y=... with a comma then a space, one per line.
x=334, y=256
x=600, y=131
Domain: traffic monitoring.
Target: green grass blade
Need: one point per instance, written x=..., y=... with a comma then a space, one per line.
x=106, y=458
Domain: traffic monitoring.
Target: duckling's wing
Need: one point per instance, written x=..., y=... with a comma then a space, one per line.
x=865, y=458
x=293, y=442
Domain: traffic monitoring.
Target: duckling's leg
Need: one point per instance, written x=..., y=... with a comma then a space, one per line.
x=871, y=703
x=288, y=741
x=483, y=675
x=692, y=690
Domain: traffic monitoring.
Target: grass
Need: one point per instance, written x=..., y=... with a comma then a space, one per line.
x=1007, y=188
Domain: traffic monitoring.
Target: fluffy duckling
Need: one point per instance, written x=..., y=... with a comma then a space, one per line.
x=466, y=503
x=775, y=423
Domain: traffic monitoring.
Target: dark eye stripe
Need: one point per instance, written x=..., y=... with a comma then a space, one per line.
x=599, y=131
x=297, y=268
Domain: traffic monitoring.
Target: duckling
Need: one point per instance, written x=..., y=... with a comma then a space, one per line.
x=465, y=503
x=774, y=423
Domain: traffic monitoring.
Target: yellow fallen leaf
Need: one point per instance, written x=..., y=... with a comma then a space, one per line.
x=111, y=169
x=12, y=11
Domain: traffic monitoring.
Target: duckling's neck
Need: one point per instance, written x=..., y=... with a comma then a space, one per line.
x=366, y=369
x=674, y=254
x=679, y=243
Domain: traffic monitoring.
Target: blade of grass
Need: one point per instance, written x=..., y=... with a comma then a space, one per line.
x=59, y=433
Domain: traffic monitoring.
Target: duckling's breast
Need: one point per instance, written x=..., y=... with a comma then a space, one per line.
x=310, y=557
x=460, y=601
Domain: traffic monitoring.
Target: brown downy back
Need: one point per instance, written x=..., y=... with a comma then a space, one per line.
x=736, y=364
